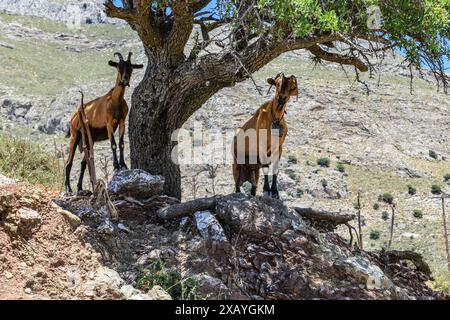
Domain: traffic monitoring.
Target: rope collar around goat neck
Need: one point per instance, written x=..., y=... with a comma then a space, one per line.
x=274, y=119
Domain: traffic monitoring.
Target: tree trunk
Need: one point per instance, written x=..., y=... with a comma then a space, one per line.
x=150, y=136
x=161, y=104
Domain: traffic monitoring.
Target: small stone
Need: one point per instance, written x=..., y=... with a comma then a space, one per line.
x=138, y=184
x=70, y=218
x=28, y=291
x=122, y=227
x=8, y=275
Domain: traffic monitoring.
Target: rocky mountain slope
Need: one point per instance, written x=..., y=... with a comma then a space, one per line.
x=383, y=141
x=236, y=247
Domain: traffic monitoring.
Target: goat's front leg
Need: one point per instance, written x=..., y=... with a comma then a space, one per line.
x=266, y=189
x=110, y=129
x=275, y=168
x=122, y=164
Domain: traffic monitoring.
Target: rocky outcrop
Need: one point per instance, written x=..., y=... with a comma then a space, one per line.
x=138, y=184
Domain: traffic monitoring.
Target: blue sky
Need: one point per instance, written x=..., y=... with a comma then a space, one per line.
x=212, y=5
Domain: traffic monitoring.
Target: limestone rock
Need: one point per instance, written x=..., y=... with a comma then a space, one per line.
x=208, y=227
x=364, y=272
x=138, y=184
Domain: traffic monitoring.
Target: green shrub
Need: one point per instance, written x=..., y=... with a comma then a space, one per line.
x=385, y=215
x=376, y=206
x=299, y=193
x=447, y=177
x=340, y=167
x=435, y=189
x=324, y=183
x=323, y=162
x=411, y=190
x=292, y=159
x=386, y=198
x=291, y=174
x=172, y=282
x=374, y=235
x=25, y=160
x=417, y=213
x=433, y=154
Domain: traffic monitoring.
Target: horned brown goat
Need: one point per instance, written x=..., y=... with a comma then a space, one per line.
x=253, y=145
x=104, y=115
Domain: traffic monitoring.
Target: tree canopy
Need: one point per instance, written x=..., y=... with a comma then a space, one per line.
x=255, y=30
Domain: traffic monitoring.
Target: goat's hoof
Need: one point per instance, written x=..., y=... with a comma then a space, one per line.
x=275, y=195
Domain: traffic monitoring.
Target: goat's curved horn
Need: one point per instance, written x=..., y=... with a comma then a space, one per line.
x=129, y=55
x=119, y=55
x=281, y=74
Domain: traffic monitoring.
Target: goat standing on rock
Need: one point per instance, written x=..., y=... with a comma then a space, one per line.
x=103, y=115
x=261, y=139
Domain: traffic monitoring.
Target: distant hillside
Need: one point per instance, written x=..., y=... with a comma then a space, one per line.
x=90, y=11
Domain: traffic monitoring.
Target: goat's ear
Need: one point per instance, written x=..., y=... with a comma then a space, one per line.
x=113, y=64
x=294, y=87
x=137, y=66
x=272, y=82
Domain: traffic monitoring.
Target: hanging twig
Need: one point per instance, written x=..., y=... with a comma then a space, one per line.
x=444, y=219
x=361, y=246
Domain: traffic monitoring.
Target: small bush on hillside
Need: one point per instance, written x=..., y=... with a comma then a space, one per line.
x=291, y=174
x=172, y=282
x=323, y=162
x=27, y=161
x=447, y=177
x=386, y=198
x=324, y=183
x=376, y=206
x=374, y=235
x=292, y=159
x=417, y=213
x=435, y=189
x=385, y=215
x=433, y=154
x=340, y=167
x=411, y=190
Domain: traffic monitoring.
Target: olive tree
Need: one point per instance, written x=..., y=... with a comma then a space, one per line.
x=238, y=37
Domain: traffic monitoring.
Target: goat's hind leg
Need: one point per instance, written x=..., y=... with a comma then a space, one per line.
x=82, y=171
x=254, y=180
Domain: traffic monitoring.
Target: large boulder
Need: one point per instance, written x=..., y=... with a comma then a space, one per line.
x=137, y=183
x=256, y=217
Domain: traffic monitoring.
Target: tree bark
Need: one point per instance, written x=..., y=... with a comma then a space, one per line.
x=161, y=104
